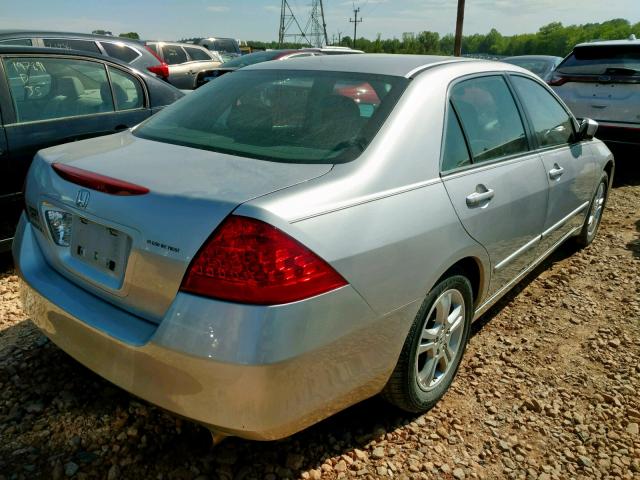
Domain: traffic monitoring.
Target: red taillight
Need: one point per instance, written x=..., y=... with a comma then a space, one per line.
x=557, y=80
x=249, y=261
x=98, y=182
x=161, y=70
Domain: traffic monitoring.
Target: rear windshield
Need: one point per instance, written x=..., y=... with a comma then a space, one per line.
x=280, y=115
x=226, y=45
x=252, y=58
x=600, y=60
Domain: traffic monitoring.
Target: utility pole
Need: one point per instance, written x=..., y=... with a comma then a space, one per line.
x=457, y=46
x=355, y=24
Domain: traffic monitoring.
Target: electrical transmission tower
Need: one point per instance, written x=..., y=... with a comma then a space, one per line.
x=314, y=32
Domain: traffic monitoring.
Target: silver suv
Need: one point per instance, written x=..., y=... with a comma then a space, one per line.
x=601, y=80
x=185, y=61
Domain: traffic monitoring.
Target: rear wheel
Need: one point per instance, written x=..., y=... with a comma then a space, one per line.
x=434, y=347
x=594, y=216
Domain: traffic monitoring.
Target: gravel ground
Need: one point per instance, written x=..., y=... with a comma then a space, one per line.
x=549, y=388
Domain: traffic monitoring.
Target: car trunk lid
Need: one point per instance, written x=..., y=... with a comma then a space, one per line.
x=149, y=238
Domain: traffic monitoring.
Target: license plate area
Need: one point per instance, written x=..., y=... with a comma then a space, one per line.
x=104, y=250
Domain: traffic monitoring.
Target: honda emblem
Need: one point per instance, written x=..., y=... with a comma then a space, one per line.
x=82, y=198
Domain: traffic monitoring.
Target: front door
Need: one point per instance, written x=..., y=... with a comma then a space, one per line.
x=499, y=191
x=570, y=167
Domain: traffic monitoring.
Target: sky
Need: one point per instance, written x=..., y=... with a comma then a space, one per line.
x=259, y=19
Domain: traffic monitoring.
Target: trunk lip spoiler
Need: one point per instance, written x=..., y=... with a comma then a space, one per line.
x=97, y=181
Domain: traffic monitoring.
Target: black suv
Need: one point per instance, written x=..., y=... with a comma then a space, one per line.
x=51, y=96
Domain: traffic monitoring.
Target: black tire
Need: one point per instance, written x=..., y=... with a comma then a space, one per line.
x=587, y=234
x=403, y=388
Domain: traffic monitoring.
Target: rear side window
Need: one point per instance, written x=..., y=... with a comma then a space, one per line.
x=173, y=54
x=489, y=118
x=72, y=44
x=127, y=91
x=455, y=153
x=26, y=42
x=197, y=54
x=120, y=51
x=603, y=60
x=49, y=88
x=551, y=123
x=279, y=115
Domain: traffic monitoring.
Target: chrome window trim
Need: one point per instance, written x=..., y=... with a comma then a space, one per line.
x=449, y=105
x=498, y=162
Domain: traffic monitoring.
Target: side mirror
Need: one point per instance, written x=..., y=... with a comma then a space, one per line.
x=588, y=129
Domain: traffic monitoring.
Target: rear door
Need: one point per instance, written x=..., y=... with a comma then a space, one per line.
x=53, y=99
x=496, y=184
x=569, y=165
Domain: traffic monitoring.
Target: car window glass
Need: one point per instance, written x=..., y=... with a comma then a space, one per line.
x=197, y=54
x=489, y=117
x=455, y=153
x=279, y=115
x=154, y=47
x=127, y=90
x=602, y=60
x=72, y=44
x=362, y=93
x=173, y=54
x=551, y=123
x=120, y=51
x=18, y=42
x=48, y=88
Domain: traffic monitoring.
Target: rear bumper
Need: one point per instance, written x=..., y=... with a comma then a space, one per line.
x=255, y=372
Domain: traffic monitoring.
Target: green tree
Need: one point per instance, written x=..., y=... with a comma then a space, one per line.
x=133, y=35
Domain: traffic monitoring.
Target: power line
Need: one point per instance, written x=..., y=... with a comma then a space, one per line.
x=355, y=24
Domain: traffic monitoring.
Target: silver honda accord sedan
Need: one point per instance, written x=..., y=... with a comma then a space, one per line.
x=298, y=236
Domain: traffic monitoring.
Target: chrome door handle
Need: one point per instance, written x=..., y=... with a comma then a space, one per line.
x=478, y=197
x=556, y=172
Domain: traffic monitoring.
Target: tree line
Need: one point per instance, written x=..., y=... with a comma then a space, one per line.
x=552, y=39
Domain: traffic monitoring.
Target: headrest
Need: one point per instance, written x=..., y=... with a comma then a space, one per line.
x=70, y=87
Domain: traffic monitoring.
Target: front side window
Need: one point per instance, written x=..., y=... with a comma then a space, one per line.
x=197, y=54
x=278, y=115
x=551, y=123
x=489, y=117
x=120, y=51
x=49, y=88
x=455, y=153
x=174, y=55
x=72, y=44
x=127, y=91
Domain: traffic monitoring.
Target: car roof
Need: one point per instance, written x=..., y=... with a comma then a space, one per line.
x=41, y=33
x=613, y=43
x=374, y=63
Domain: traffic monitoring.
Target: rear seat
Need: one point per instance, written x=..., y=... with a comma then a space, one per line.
x=70, y=99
